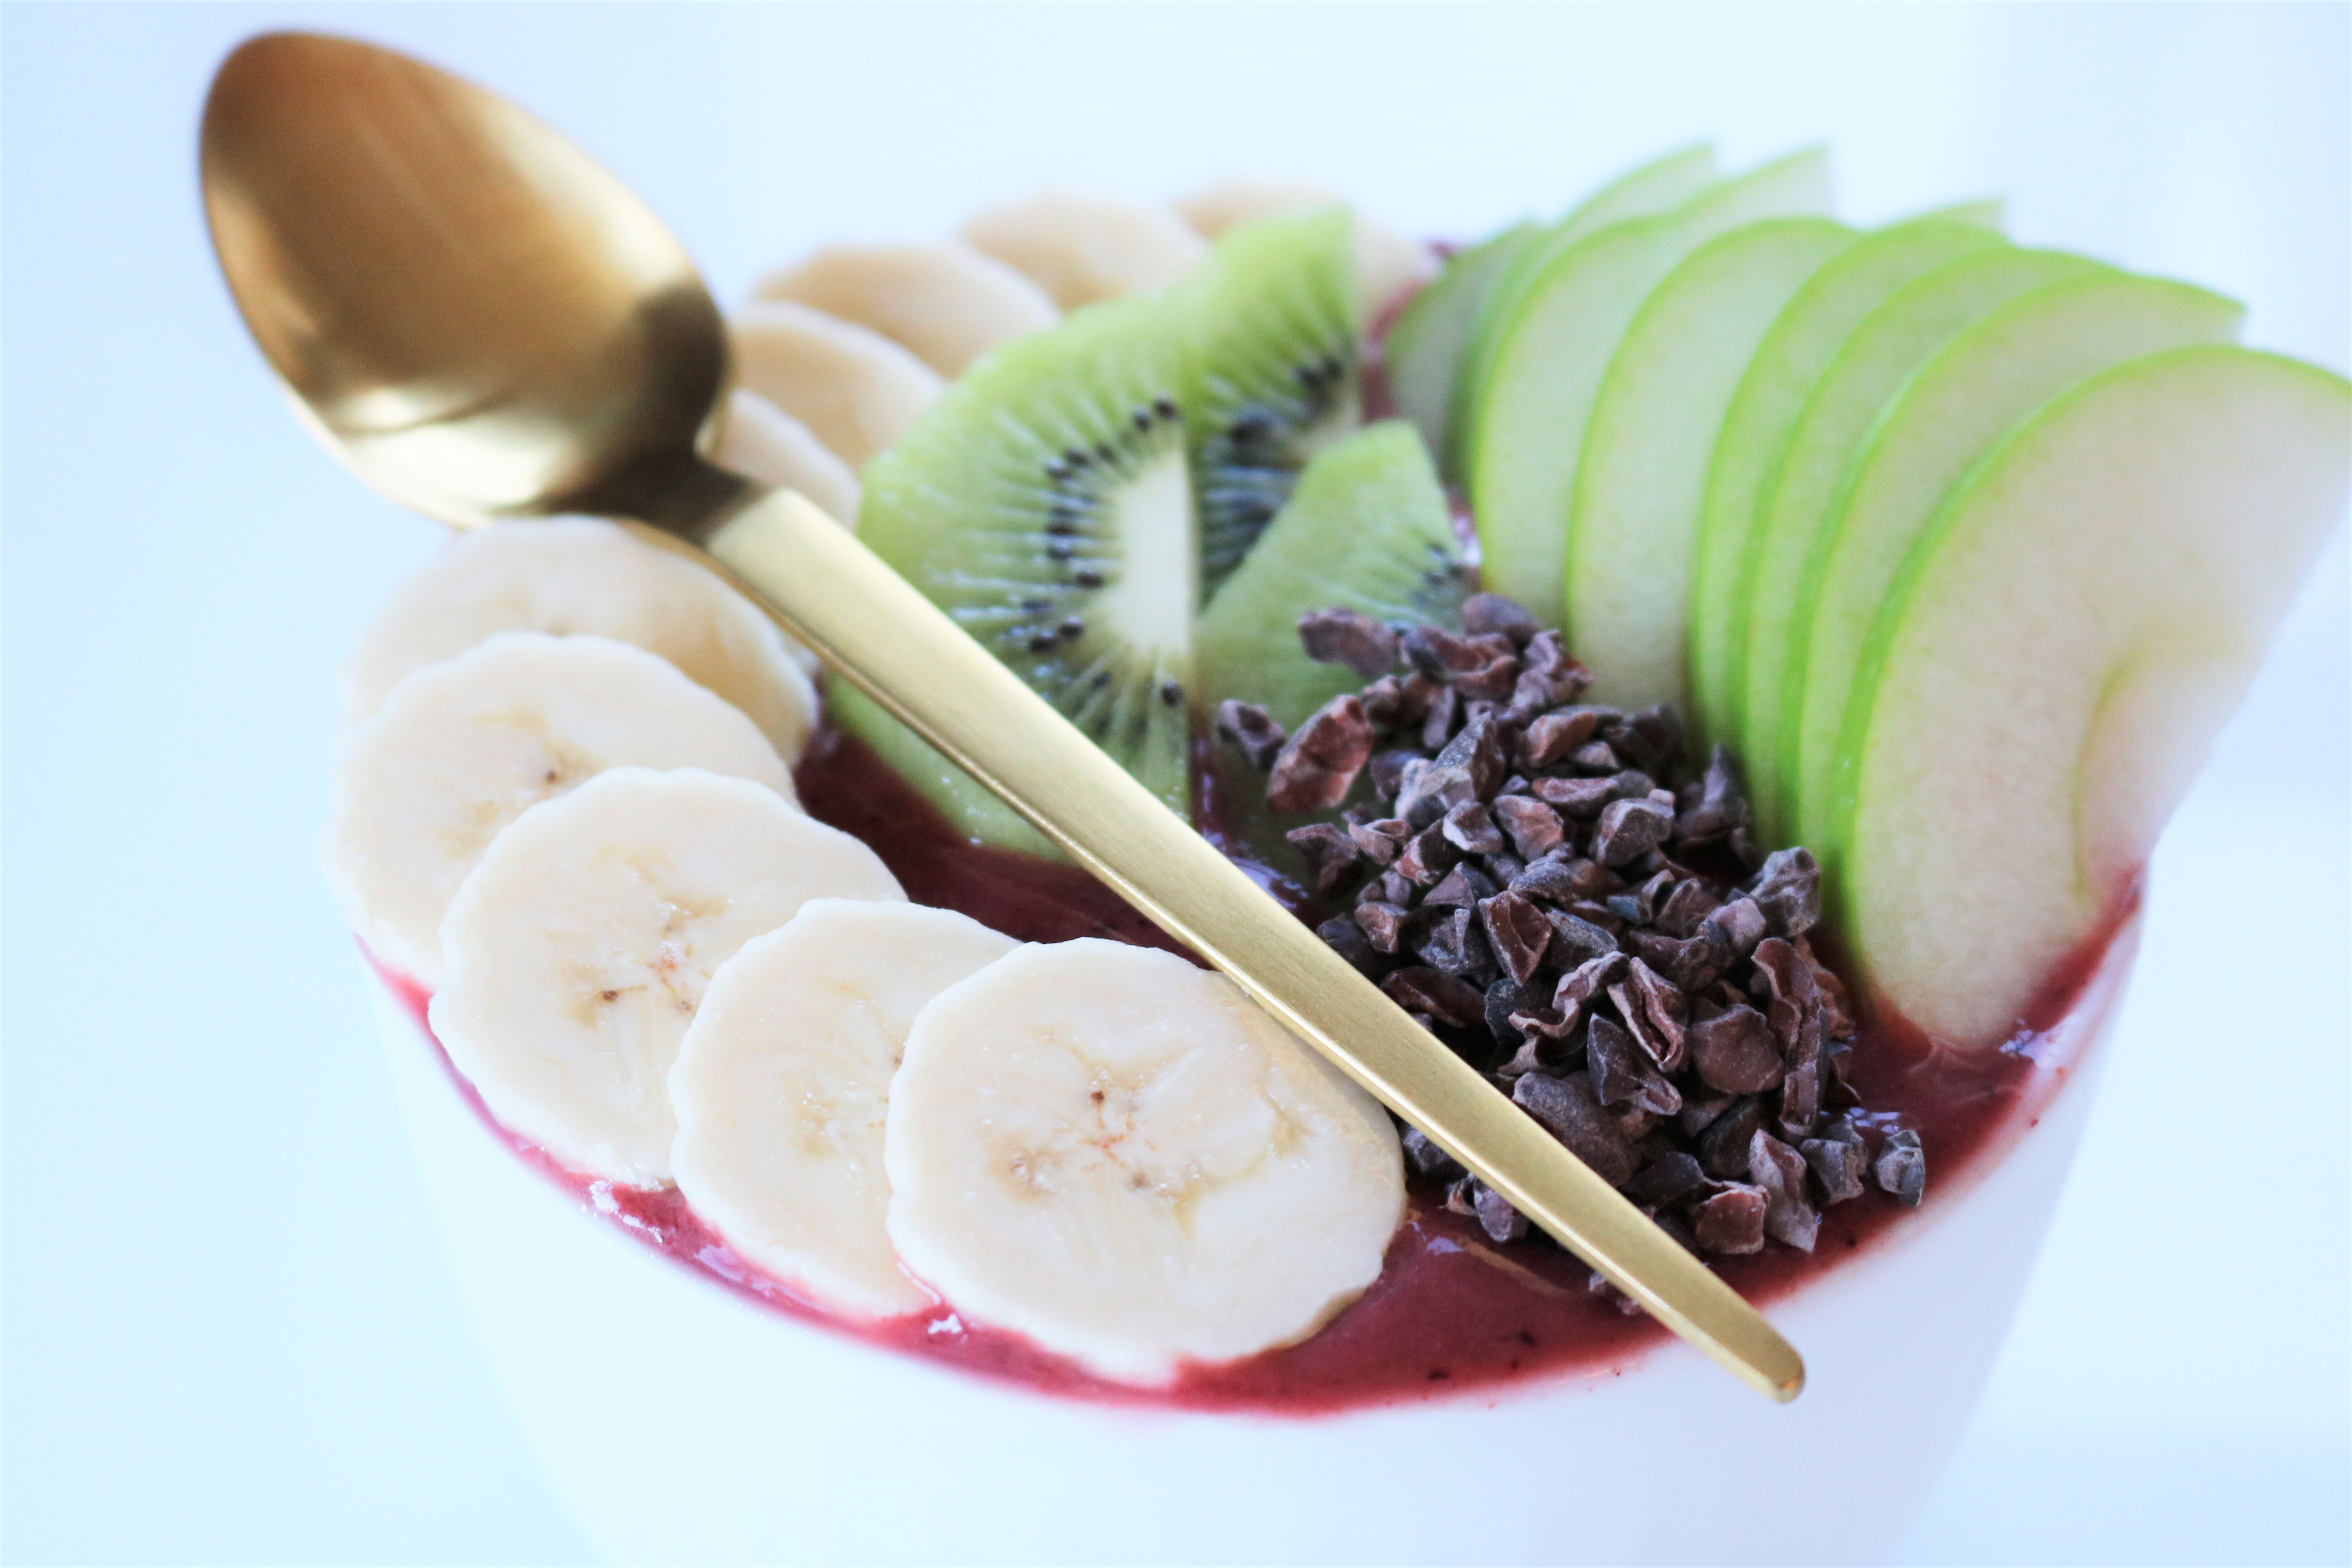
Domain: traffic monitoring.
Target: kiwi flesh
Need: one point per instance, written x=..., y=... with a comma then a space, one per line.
x=1045, y=503
x=1272, y=336
x=1367, y=529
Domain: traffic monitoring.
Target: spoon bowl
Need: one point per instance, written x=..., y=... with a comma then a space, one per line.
x=520, y=336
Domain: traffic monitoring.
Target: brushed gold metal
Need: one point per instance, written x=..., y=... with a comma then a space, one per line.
x=485, y=324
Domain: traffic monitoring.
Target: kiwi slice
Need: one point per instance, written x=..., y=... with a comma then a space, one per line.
x=1367, y=529
x=1045, y=503
x=1272, y=377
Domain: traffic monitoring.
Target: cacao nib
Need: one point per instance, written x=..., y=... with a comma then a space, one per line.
x=1381, y=924
x=1579, y=798
x=1444, y=997
x=1568, y=1110
x=1485, y=614
x=1623, y=1074
x=1428, y=1159
x=1575, y=940
x=1317, y=765
x=1470, y=830
x=1534, y=828
x=1346, y=938
x=1731, y=1222
x=1501, y=1222
x=1902, y=1167
x=1723, y=1146
x=1787, y=888
x=1837, y=1166
x=1348, y=638
x=1781, y=1172
x=1331, y=855
x=1629, y=829
x=1668, y=1181
x=1516, y=932
x=1460, y=888
x=1253, y=728
x=1379, y=841
x=1734, y=1052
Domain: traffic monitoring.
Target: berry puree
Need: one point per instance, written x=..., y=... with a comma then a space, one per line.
x=1451, y=1311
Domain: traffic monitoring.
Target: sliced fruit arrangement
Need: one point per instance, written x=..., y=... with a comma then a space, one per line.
x=782, y=1084
x=460, y=749
x=1088, y=1141
x=580, y=947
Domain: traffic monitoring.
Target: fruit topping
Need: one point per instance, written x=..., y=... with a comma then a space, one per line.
x=1387, y=263
x=580, y=947
x=946, y=303
x=1120, y=1155
x=1546, y=357
x=782, y=1082
x=1367, y=534
x=1271, y=336
x=1045, y=504
x=1536, y=881
x=760, y=441
x=583, y=575
x=1083, y=250
x=2054, y=657
x=855, y=390
x=461, y=749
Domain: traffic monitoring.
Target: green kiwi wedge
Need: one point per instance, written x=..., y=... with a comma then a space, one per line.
x=1272, y=370
x=1044, y=503
x=1367, y=529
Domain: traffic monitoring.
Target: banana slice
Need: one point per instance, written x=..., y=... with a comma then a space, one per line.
x=855, y=390
x=1120, y=1156
x=580, y=574
x=782, y=1081
x=580, y=947
x=462, y=748
x=762, y=442
x=1387, y=263
x=1081, y=249
x=947, y=303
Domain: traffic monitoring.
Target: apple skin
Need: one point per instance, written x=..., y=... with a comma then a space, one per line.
x=1641, y=477
x=1871, y=366
x=2053, y=659
x=1664, y=184
x=1791, y=359
x=1978, y=385
x=1550, y=355
x=1425, y=347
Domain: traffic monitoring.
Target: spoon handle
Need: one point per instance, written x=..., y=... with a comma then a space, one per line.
x=875, y=630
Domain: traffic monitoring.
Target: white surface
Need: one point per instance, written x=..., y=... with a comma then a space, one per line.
x=230, y=1331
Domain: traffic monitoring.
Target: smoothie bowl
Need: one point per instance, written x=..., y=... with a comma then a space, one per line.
x=1718, y=671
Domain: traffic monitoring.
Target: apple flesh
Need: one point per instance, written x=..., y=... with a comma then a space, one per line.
x=1536, y=395
x=1424, y=348
x=2053, y=662
x=1891, y=343
x=1982, y=382
x=1787, y=364
x=1643, y=473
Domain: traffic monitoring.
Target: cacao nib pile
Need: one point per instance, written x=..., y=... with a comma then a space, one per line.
x=1538, y=884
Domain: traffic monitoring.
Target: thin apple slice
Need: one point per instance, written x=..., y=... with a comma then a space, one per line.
x=2058, y=651
x=1952, y=413
x=1890, y=344
x=1431, y=346
x=1642, y=474
x=1551, y=353
x=1664, y=184
x=1423, y=353
x=1772, y=390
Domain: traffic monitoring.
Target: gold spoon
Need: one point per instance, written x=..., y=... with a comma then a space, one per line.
x=485, y=324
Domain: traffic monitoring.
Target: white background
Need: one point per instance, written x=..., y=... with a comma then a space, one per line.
x=230, y=1331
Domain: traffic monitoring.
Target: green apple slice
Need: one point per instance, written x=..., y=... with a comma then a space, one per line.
x=2058, y=652
x=1955, y=410
x=1659, y=186
x=1550, y=355
x=1642, y=474
x=1423, y=355
x=1772, y=394
x=1891, y=343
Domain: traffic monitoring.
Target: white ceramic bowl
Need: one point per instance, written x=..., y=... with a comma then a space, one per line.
x=679, y=1422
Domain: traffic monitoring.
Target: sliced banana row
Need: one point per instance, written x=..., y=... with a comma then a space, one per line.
x=581, y=575
x=461, y=749
x=581, y=945
x=784, y=1080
